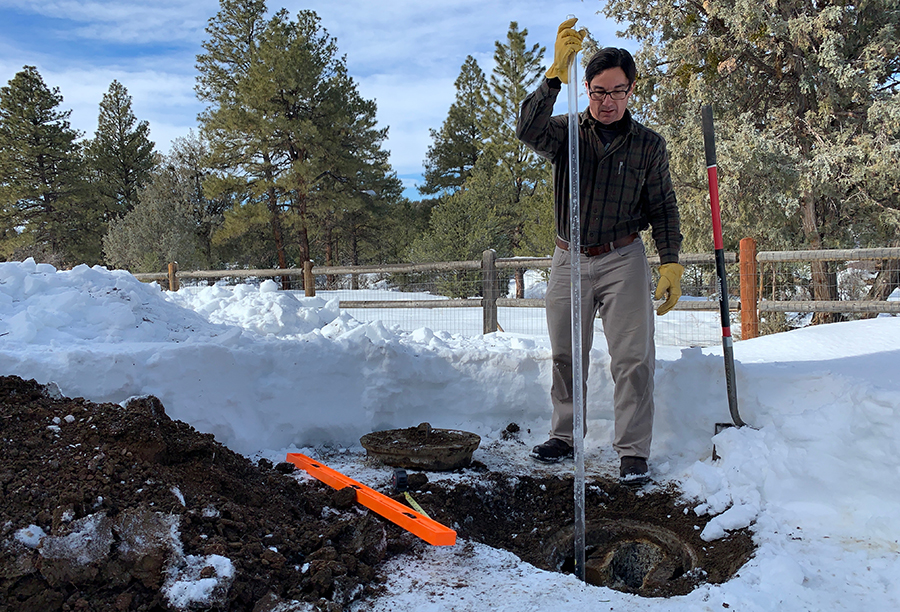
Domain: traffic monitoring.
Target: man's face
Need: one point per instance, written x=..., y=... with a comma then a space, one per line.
x=612, y=80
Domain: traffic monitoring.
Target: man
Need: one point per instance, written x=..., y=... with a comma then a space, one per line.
x=625, y=188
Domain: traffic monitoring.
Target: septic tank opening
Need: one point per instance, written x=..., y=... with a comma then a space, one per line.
x=626, y=555
x=629, y=566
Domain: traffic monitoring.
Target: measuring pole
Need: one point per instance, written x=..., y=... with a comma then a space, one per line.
x=575, y=284
x=709, y=143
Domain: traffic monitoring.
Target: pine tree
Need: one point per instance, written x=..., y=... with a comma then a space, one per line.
x=41, y=186
x=189, y=160
x=120, y=155
x=335, y=146
x=805, y=98
x=456, y=146
x=287, y=127
x=157, y=231
x=517, y=71
x=242, y=151
x=506, y=163
x=466, y=223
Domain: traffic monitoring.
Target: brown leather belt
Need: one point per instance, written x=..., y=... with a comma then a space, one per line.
x=593, y=251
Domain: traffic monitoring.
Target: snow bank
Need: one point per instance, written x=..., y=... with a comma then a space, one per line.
x=266, y=371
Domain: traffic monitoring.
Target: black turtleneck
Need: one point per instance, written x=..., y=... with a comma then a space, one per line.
x=608, y=133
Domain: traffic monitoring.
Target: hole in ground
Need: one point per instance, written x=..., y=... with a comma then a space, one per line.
x=629, y=565
x=647, y=543
x=626, y=555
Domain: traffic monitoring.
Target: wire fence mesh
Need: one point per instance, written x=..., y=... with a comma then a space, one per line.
x=840, y=290
x=696, y=322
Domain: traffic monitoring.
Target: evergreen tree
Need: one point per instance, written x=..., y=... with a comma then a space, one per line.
x=535, y=206
x=341, y=184
x=805, y=97
x=173, y=220
x=517, y=71
x=508, y=182
x=457, y=145
x=188, y=159
x=120, y=155
x=401, y=222
x=288, y=129
x=41, y=187
x=242, y=151
x=466, y=223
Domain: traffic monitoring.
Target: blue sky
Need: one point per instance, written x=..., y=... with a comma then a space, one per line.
x=404, y=54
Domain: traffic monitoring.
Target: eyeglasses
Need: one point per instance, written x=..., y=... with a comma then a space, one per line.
x=598, y=95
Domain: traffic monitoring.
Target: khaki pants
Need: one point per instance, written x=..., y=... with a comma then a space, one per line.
x=615, y=285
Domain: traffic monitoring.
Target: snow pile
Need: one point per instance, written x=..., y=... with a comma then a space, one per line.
x=43, y=306
x=264, y=309
x=255, y=392
x=198, y=581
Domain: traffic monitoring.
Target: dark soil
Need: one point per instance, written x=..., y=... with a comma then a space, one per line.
x=123, y=463
x=642, y=542
x=288, y=539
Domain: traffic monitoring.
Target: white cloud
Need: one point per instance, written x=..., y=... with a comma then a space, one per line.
x=125, y=22
x=409, y=108
x=404, y=54
x=165, y=100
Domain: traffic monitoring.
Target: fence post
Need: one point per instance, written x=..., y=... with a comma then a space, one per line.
x=490, y=290
x=749, y=296
x=309, y=281
x=173, y=276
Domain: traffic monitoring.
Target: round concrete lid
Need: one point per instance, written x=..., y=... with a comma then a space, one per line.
x=422, y=447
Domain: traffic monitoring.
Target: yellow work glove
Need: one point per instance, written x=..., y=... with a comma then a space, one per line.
x=568, y=43
x=669, y=286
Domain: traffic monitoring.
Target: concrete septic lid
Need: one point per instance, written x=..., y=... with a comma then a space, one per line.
x=422, y=447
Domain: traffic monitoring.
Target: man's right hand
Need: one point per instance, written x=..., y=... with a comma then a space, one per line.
x=568, y=43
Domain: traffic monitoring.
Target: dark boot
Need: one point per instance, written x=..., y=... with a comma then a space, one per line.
x=552, y=450
x=633, y=471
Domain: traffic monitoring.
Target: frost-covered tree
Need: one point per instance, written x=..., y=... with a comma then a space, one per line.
x=807, y=116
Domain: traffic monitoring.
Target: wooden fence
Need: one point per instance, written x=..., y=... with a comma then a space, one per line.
x=749, y=304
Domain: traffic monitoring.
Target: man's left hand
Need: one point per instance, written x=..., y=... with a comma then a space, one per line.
x=669, y=286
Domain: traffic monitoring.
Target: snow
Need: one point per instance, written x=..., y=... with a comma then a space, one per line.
x=270, y=372
x=89, y=540
x=30, y=536
x=185, y=587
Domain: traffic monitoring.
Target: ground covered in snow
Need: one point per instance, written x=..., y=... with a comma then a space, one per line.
x=198, y=516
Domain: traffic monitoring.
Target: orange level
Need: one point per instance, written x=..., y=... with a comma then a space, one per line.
x=418, y=524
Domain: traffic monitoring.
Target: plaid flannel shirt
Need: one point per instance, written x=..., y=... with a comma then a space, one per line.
x=625, y=187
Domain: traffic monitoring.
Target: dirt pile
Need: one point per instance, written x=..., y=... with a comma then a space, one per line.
x=111, y=508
